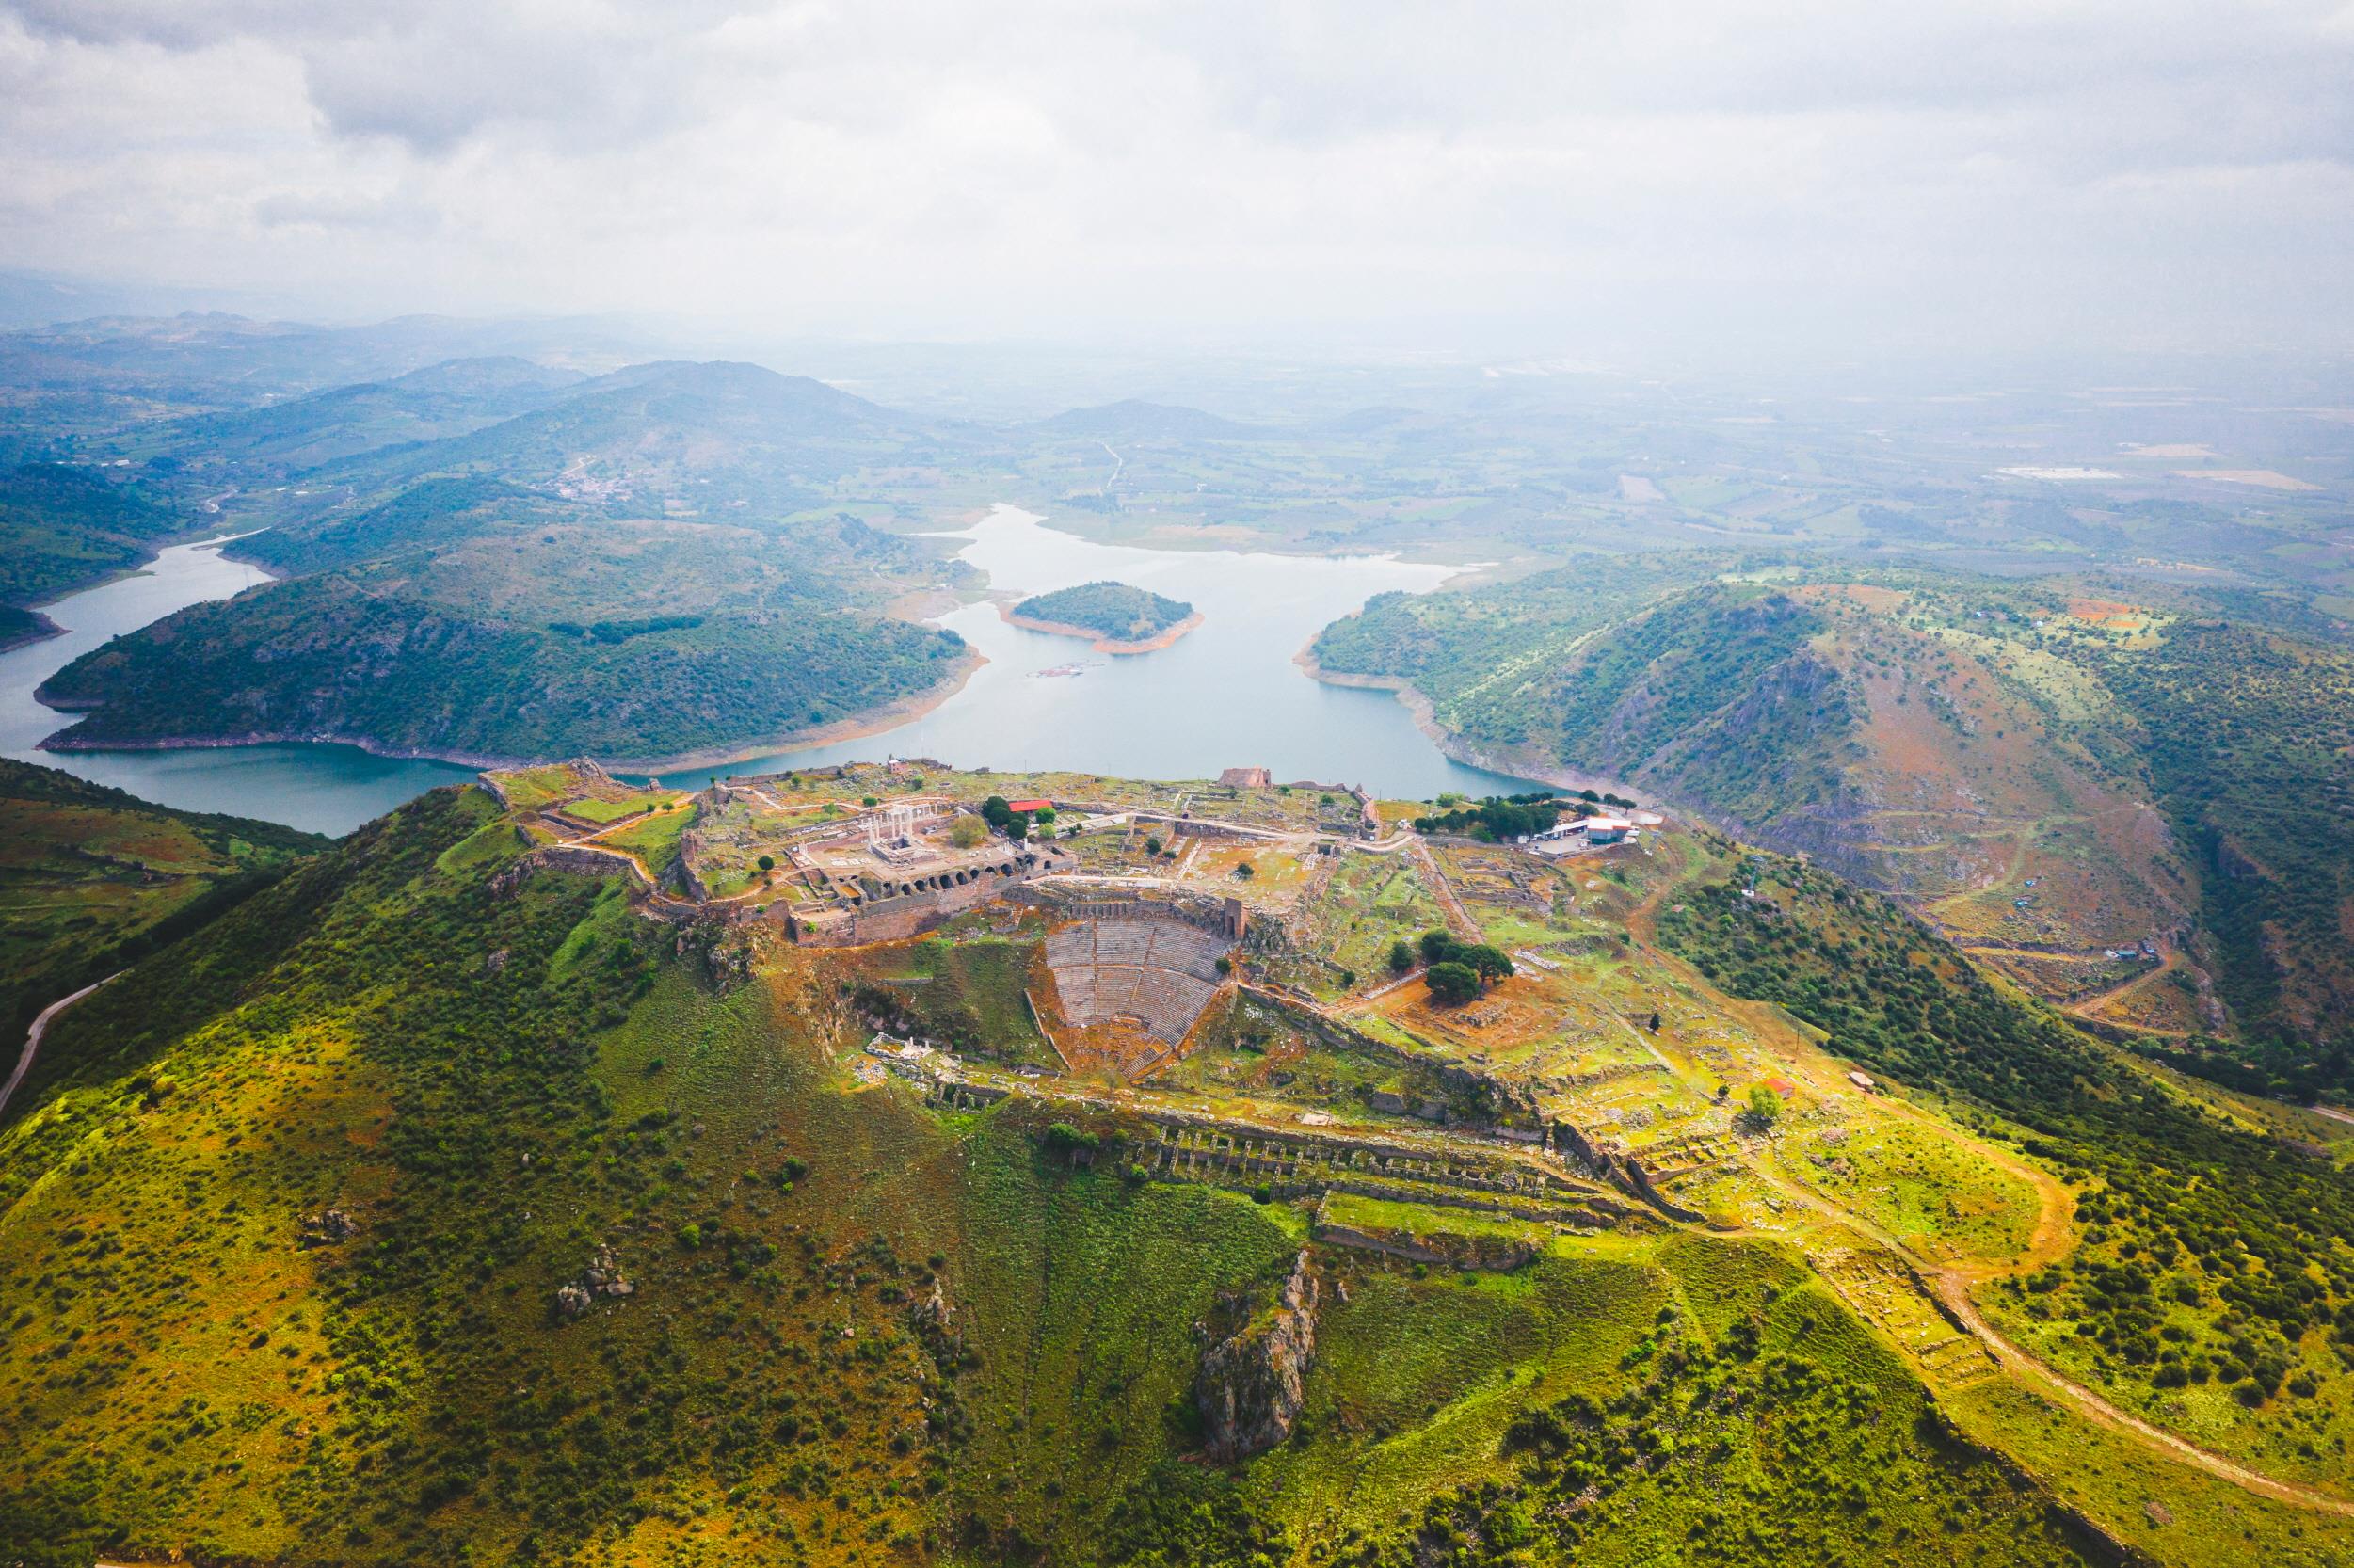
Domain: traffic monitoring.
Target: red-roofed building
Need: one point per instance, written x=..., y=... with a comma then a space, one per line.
x=1030, y=808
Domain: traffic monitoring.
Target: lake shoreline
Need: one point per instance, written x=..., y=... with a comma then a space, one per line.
x=1417, y=702
x=1096, y=640
x=1134, y=716
x=870, y=722
x=43, y=630
x=144, y=568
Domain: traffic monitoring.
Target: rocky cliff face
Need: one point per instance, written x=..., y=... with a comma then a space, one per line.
x=1251, y=1385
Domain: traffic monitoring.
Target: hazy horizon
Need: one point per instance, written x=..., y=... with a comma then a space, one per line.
x=1713, y=188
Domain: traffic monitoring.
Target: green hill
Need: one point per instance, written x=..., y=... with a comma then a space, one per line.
x=455, y=398
x=710, y=438
x=435, y=1205
x=388, y=1111
x=93, y=878
x=621, y=568
x=371, y=657
x=1113, y=611
x=468, y=617
x=2049, y=771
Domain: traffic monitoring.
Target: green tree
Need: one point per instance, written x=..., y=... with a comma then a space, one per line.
x=767, y=862
x=1491, y=964
x=1765, y=1108
x=1152, y=843
x=1437, y=945
x=1400, y=956
x=1452, y=982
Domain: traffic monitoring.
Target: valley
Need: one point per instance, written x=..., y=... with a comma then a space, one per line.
x=1457, y=965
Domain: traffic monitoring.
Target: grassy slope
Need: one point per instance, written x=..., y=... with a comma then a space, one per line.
x=491, y=1076
x=91, y=878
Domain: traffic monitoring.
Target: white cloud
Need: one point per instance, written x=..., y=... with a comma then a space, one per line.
x=2155, y=173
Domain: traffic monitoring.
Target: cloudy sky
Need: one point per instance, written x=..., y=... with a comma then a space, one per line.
x=2138, y=173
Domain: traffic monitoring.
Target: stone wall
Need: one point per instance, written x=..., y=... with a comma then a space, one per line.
x=589, y=862
x=900, y=915
x=1220, y=916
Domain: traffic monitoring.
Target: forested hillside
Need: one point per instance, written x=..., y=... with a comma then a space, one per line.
x=388, y=663
x=64, y=528
x=473, y=618
x=453, y=398
x=2216, y=1255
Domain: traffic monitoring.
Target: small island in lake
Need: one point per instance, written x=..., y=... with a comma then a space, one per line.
x=1115, y=617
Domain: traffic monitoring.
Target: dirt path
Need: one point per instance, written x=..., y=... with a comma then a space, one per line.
x=1951, y=1285
x=40, y=1027
x=2055, y=1233
x=2088, y=1007
x=1954, y=1293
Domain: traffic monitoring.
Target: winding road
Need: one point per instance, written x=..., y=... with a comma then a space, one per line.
x=40, y=1027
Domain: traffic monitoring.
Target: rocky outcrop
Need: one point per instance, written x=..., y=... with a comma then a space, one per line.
x=1251, y=1385
x=321, y=1230
x=600, y=1279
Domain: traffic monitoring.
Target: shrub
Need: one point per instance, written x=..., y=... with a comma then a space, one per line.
x=1065, y=1139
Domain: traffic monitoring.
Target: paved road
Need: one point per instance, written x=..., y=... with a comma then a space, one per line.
x=40, y=1027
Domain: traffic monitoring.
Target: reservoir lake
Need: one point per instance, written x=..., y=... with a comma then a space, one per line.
x=1226, y=694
